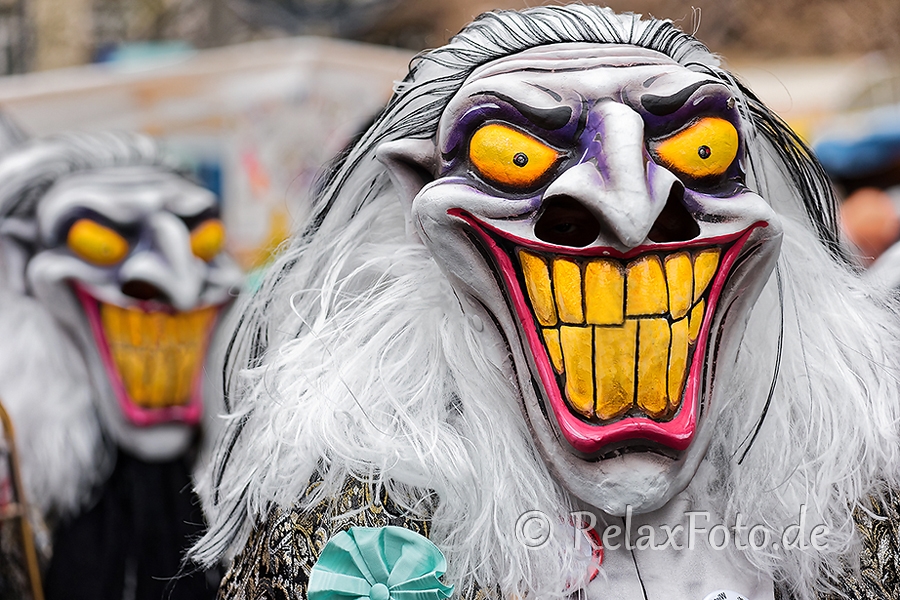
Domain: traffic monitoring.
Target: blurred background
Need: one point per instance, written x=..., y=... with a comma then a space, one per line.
x=46, y=34
x=255, y=95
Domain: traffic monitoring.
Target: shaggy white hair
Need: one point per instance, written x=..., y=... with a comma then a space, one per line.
x=45, y=388
x=353, y=359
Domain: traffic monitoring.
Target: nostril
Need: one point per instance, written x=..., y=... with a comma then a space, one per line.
x=674, y=223
x=144, y=290
x=566, y=222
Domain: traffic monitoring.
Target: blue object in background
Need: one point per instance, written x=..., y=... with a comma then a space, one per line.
x=209, y=175
x=861, y=144
x=137, y=52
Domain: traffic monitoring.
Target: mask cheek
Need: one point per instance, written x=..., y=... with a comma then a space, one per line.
x=454, y=194
x=721, y=213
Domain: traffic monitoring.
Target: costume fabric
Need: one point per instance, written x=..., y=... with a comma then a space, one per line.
x=133, y=538
x=276, y=561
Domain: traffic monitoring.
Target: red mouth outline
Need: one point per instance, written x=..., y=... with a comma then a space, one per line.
x=189, y=413
x=588, y=438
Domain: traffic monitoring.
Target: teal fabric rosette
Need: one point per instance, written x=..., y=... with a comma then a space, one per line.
x=379, y=563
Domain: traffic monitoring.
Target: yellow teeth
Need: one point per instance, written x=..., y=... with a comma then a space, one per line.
x=620, y=332
x=615, y=349
x=157, y=355
x=680, y=277
x=604, y=293
x=645, y=289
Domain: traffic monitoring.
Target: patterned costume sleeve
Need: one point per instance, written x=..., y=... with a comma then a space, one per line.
x=277, y=559
x=879, y=576
x=13, y=573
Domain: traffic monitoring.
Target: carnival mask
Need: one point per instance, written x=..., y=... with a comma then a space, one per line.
x=590, y=202
x=131, y=260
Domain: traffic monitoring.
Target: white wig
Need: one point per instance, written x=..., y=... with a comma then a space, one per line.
x=44, y=386
x=354, y=359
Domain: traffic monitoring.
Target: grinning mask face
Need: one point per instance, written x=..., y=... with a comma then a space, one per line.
x=589, y=202
x=130, y=259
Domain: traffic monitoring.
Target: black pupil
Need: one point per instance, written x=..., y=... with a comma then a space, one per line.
x=520, y=159
x=704, y=152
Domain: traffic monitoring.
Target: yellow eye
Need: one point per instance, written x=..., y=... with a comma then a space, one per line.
x=207, y=239
x=510, y=158
x=96, y=243
x=705, y=149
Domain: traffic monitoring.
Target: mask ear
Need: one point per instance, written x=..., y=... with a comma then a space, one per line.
x=411, y=164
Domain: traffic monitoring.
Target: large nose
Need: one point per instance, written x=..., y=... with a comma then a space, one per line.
x=616, y=196
x=165, y=269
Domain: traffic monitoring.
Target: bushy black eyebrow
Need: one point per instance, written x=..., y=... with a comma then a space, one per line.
x=549, y=119
x=666, y=105
x=206, y=214
x=129, y=229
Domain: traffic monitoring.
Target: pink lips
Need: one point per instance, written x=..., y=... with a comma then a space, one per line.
x=591, y=438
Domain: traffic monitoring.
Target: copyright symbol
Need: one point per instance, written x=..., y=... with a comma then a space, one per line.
x=533, y=529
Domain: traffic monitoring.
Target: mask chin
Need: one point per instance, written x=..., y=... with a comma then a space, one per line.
x=640, y=474
x=159, y=443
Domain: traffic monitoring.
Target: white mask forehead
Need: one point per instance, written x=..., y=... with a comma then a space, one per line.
x=591, y=73
x=575, y=57
x=123, y=194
